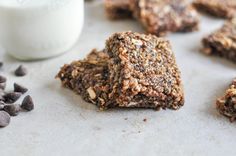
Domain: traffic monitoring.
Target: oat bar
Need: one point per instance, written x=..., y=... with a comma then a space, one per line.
x=143, y=72
x=134, y=70
x=226, y=105
x=88, y=77
x=117, y=9
x=222, y=42
x=162, y=16
x=218, y=8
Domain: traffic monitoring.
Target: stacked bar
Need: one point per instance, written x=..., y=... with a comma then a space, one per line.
x=134, y=70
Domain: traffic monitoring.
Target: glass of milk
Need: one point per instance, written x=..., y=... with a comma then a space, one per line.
x=39, y=29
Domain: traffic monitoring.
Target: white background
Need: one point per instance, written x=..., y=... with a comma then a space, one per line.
x=62, y=124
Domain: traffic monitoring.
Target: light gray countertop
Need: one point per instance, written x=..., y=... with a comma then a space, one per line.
x=62, y=124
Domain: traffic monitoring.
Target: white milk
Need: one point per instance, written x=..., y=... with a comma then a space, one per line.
x=37, y=29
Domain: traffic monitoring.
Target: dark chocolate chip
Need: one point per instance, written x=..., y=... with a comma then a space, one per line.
x=2, y=79
x=19, y=88
x=4, y=119
x=27, y=103
x=21, y=71
x=12, y=109
x=12, y=97
x=2, y=86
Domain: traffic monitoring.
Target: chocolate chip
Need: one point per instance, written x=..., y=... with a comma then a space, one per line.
x=19, y=88
x=4, y=119
x=2, y=79
x=27, y=103
x=1, y=64
x=2, y=86
x=12, y=97
x=12, y=109
x=21, y=71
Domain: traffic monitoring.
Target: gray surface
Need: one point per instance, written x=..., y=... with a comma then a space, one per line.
x=62, y=124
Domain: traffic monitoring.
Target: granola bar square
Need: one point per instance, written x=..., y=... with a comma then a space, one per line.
x=218, y=8
x=117, y=9
x=88, y=78
x=222, y=42
x=162, y=16
x=143, y=72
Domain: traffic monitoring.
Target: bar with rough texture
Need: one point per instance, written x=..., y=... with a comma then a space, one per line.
x=222, y=42
x=157, y=16
x=143, y=72
x=117, y=9
x=218, y=8
x=134, y=70
x=162, y=16
x=226, y=105
x=88, y=77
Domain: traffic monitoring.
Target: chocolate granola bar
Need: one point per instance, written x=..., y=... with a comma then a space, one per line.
x=226, y=105
x=218, y=8
x=134, y=70
x=222, y=42
x=162, y=16
x=88, y=77
x=118, y=9
x=143, y=72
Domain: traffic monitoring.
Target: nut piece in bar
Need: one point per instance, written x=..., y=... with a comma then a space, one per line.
x=88, y=78
x=118, y=9
x=218, y=8
x=222, y=42
x=226, y=105
x=143, y=72
x=162, y=16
